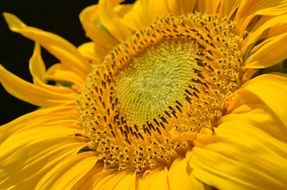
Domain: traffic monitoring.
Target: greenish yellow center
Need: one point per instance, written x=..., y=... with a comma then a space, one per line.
x=144, y=106
x=155, y=80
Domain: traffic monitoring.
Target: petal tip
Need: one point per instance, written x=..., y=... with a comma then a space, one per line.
x=14, y=22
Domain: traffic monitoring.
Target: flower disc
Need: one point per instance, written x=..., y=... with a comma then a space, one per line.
x=145, y=104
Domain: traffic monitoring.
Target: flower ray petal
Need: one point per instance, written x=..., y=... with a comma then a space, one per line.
x=262, y=27
x=60, y=48
x=156, y=179
x=31, y=93
x=28, y=154
x=178, y=176
x=254, y=159
x=67, y=173
x=267, y=53
x=249, y=9
x=104, y=41
x=111, y=20
x=128, y=182
x=271, y=89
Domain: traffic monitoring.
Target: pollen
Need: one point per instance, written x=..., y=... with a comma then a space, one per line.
x=144, y=106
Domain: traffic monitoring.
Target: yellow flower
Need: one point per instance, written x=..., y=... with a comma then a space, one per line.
x=163, y=97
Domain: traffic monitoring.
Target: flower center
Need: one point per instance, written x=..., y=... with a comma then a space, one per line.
x=155, y=80
x=144, y=106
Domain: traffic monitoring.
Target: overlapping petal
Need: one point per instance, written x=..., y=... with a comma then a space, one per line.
x=33, y=94
x=268, y=53
x=256, y=158
x=104, y=41
x=154, y=179
x=64, y=114
x=249, y=9
x=41, y=140
x=144, y=13
x=111, y=19
x=179, y=176
x=68, y=172
x=60, y=48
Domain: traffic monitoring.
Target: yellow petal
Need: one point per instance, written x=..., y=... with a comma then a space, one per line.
x=64, y=76
x=62, y=115
x=88, y=51
x=144, y=182
x=186, y=6
x=246, y=152
x=257, y=33
x=31, y=93
x=156, y=9
x=103, y=40
x=37, y=163
x=249, y=9
x=179, y=177
x=38, y=71
x=208, y=6
x=111, y=20
x=30, y=152
x=156, y=179
x=135, y=18
x=57, y=46
x=160, y=181
x=37, y=65
x=272, y=90
x=144, y=12
x=93, y=176
x=275, y=31
x=68, y=172
x=100, y=183
x=128, y=182
x=227, y=8
x=111, y=182
x=270, y=52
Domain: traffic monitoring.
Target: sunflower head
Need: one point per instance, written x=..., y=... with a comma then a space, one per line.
x=145, y=105
x=165, y=96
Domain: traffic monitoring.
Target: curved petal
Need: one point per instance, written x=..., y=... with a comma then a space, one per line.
x=65, y=114
x=103, y=40
x=249, y=149
x=249, y=9
x=37, y=65
x=68, y=172
x=257, y=33
x=144, y=13
x=99, y=179
x=228, y=8
x=272, y=90
x=270, y=52
x=86, y=181
x=127, y=182
x=111, y=182
x=64, y=77
x=31, y=93
x=60, y=48
x=185, y=6
x=39, y=74
x=135, y=18
x=179, y=176
x=111, y=20
x=30, y=153
x=208, y=6
x=155, y=179
x=88, y=51
x=252, y=160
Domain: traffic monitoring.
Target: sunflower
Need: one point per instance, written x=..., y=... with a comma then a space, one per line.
x=165, y=96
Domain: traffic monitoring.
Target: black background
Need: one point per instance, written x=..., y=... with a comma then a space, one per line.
x=60, y=17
